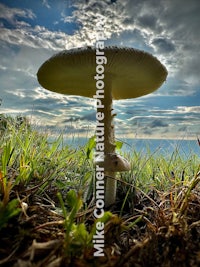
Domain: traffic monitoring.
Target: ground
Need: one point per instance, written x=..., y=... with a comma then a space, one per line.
x=155, y=231
x=46, y=206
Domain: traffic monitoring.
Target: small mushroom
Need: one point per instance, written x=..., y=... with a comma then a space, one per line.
x=128, y=73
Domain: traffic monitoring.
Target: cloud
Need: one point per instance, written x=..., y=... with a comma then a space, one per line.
x=46, y=4
x=169, y=30
x=143, y=24
x=147, y=21
x=157, y=123
x=37, y=37
x=12, y=15
x=184, y=110
x=19, y=32
x=163, y=45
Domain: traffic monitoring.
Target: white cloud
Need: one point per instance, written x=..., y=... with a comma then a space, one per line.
x=185, y=109
x=46, y=4
x=12, y=14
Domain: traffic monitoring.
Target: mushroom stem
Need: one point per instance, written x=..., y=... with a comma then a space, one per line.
x=109, y=143
x=109, y=134
x=111, y=188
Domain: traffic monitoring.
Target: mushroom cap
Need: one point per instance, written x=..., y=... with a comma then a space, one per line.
x=113, y=162
x=129, y=72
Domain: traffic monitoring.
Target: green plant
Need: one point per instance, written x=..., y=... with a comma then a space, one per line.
x=8, y=211
x=78, y=237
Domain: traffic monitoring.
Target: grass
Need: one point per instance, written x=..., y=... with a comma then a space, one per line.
x=46, y=205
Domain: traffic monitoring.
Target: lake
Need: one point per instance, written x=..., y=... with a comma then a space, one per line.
x=185, y=148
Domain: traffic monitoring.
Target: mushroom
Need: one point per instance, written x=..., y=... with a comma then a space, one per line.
x=128, y=73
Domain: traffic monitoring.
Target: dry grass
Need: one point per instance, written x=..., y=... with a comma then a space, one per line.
x=167, y=232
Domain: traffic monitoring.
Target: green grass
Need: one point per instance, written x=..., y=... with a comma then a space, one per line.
x=46, y=200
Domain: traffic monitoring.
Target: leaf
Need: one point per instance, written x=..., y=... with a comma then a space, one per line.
x=71, y=198
x=9, y=211
x=90, y=146
x=82, y=232
x=107, y=216
x=119, y=144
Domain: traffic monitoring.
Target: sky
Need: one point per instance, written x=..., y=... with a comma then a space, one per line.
x=33, y=31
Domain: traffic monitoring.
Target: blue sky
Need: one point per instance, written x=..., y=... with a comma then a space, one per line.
x=32, y=31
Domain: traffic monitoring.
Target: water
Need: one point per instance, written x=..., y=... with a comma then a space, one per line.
x=164, y=147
